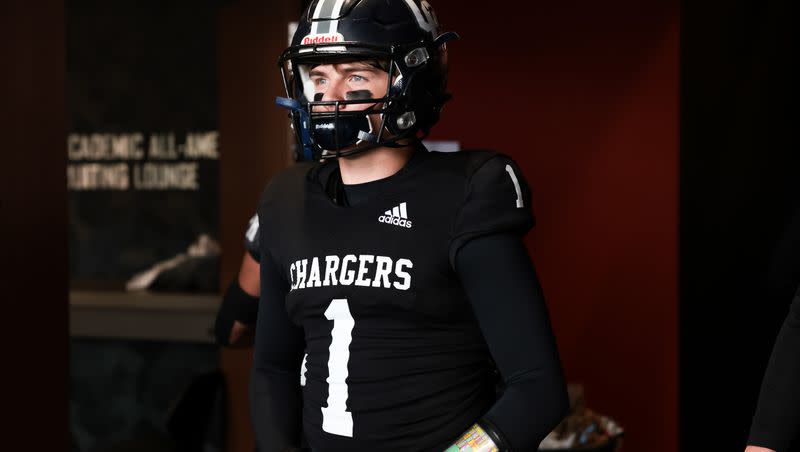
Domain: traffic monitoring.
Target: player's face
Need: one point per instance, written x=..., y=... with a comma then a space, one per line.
x=348, y=81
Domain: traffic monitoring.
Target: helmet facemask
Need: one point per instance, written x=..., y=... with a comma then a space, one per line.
x=342, y=127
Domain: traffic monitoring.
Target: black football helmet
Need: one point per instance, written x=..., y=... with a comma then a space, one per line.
x=403, y=37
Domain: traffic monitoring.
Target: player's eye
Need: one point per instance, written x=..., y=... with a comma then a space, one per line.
x=355, y=78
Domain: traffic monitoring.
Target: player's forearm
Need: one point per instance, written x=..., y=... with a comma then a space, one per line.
x=275, y=383
x=531, y=406
x=275, y=395
x=237, y=306
x=511, y=311
x=484, y=436
x=275, y=409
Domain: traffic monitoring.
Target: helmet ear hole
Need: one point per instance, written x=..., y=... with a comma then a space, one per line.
x=406, y=121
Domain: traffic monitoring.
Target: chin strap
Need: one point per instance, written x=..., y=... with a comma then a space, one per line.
x=366, y=136
x=368, y=146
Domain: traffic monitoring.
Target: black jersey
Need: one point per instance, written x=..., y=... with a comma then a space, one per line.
x=395, y=359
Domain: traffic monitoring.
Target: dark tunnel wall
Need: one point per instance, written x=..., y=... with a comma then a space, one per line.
x=33, y=222
x=740, y=259
x=584, y=96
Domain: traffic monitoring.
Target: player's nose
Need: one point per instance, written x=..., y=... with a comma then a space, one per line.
x=335, y=92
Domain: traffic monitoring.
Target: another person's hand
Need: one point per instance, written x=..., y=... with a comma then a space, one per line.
x=757, y=449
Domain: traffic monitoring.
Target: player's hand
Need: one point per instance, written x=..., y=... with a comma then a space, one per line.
x=473, y=440
x=242, y=335
x=757, y=449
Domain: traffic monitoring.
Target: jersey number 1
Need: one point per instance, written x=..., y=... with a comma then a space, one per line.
x=510, y=172
x=335, y=418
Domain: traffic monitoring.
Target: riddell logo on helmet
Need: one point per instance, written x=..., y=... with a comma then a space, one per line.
x=322, y=39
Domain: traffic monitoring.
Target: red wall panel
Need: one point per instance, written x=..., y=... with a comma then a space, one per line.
x=584, y=96
x=33, y=226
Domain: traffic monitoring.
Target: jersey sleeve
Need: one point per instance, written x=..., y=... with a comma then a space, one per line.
x=497, y=200
x=251, y=239
x=275, y=396
x=511, y=311
x=777, y=417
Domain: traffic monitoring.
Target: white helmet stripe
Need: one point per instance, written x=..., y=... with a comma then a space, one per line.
x=326, y=9
x=337, y=9
x=316, y=15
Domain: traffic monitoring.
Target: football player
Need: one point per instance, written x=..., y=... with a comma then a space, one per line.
x=393, y=278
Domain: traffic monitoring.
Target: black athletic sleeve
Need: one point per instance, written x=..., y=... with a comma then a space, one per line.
x=275, y=384
x=252, y=239
x=497, y=200
x=501, y=284
x=777, y=419
x=237, y=306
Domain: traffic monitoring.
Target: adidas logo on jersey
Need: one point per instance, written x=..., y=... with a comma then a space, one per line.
x=398, y=216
